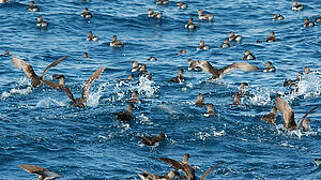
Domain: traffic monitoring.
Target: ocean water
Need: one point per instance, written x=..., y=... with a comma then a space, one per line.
x=39, y=126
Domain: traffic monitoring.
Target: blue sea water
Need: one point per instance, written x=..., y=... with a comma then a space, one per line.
x=39, y=126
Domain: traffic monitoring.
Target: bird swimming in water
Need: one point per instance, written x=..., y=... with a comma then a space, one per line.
x=85, y=55
x=181, y=5
x=318, y=19
x=115, y=43
x=44, y=174
x=193, y=65
x=130, y=78
x=134, y=98
x=202, y=16
x=162, y=2
x=296, y=6
x=210, y=110
x=269, y=67
x=91, y=37
x=86, y=14
x=236, y=99
x=41, y=23
x=277, y=17
x=233, y=37
x=6, y=53
x=152, y=58
x=181, y=52
x=271, y=38
x=187, y=169
x=190, y=24
x=242, y=90
x=200, y=100
x=179, y=78
x=288, y=116
x=153, y=14
x=33, y=7
x=29, y=72
x=152, y=140
x=202, y=46
x=225, y=44
x=149, y=176
x=125, y=116
x=308, y=23
x=135, y=66
x=79, y=102
x=271, y=117
x=218, y=73
x=317, y=161
x=248, y=55
x=307, y=70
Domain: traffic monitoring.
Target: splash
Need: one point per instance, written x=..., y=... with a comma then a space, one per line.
x=47, y=102
x=13, y=91
x=260, y=96
x=93, y=98
x=146, y=87
x=145, y=120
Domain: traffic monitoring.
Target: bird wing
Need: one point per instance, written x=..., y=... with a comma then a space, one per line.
x=146, y=140
x=53, y=64
x=33, y=169
x=306, y=114
x=69, y=94
x=286, y=111
x=27, y=68
x=149, y=174
x=175, y=164
x=205, y=66
x=90, y=80
x=210, y=170
x=51, y=84
x=238, y=65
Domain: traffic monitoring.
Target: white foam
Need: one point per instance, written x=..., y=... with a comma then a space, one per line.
x=145, y=120
x=146, y=87
x=93, y=98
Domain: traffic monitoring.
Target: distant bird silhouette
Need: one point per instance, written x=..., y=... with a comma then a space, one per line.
x=29, y=72
x=288, y=115
x=44, y=174
x=125, y=116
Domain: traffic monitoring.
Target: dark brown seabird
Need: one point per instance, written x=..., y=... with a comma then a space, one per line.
x=125, y=116
x=193, y=65
x=236, y=100
x=271, y=117
x=29, y=72
x=149, y=176
x=186, y=168
x=44, y=174
x=200, y=100
x=288, y=115
x=78, y=102
x=134, y=98
x=179, y=78
x=152, y=140
x=210, y=110
x=218, y=73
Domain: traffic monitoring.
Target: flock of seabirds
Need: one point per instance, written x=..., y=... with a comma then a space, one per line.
x=189, y=172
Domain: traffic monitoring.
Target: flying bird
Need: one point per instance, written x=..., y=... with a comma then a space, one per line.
x=149, y=176
x=44, y=174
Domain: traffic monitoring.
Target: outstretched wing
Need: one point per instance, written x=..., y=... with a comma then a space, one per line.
x=205, y=66
x=306, y=114
x=51, y=84
x=53, y=65
x=90, y=80
x=286, y=111
x=69, y=94
x=33, y=169
x=210, y=170
x=175, y=164
x=146, y=140
x=238, y=65
x=27, y=68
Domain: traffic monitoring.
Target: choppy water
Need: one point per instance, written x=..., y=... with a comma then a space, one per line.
x=39, y=126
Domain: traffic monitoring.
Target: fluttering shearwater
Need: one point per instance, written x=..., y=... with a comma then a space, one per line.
x=248, y=55
x=210, y=110
x=187, y=169
x=153, y=14
x=80, y=102
x=269, y=67
x=115, y=43
x=233, y=37
x=135, y=66
x=152, y=140
x=200, y=100
x=202, y=16
x=181, y=5
x=152, y=58
x=271, y=117
x=29, y=72
x=307, y=70
x=225, y=44
x=242, y=90
x=85, y=55
x=125, y=116
x=44, y=174
x=190, y=24
x=271, y=38
x=181, y=52
x=41, y=23
x=86, y=14
x=317, y=161
x=296, y=6
x=202, y=46
x=179, y=78
x=134, y=98
x=33, y=7
x=193, y=65
x=91, y=37
x=318, y=19
x=288, y=115
x=236, y=99
x=162, y=2
x=278, y=17
x=218, y=73
x=308, y=23
x=6, y=53
x=149, y=176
